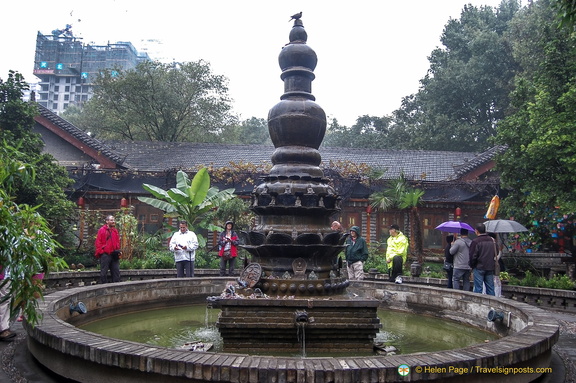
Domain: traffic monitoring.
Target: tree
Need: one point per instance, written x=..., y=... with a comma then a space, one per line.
x=411, y=200
x=26, y=244
x=190, y=201
x=367, y=132
x=251, y=131
x=47, y=190
x=566, y=12
x=539, y=166
x=465, y=92
x=399, y=194
x=159, y=102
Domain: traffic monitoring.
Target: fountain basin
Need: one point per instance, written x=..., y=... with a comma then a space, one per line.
x=87, y=357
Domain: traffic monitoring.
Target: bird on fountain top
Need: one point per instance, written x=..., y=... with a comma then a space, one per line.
x=295, y=16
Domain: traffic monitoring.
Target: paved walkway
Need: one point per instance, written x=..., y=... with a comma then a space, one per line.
x=18, y=366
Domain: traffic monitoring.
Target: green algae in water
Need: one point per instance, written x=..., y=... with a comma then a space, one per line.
x=167, y=327
x=175, y=326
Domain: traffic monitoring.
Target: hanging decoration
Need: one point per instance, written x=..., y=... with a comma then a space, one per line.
x=493, y=208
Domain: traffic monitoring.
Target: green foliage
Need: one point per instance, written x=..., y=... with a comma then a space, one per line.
x=367, y=132
x=159, y=102
x=376, y=259
x=531, y=280
x=251, y=131
x=32, y=201
x=402, y=195
x=26, y=244
x=207, y=260
x=465, y=92
x=236, y=210
x=566, y=12
x=159, y=260
x=190, y=201
x=50, y=180
x=538, y=167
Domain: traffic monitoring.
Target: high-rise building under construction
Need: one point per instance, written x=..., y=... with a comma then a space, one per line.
x=67, y=67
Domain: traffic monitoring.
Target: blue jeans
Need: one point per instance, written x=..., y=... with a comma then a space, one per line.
x=484, y=277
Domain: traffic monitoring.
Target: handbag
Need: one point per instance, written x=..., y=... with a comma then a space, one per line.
x=496, y=259
x=447, y=266
x=116, y=254
x=226, y=255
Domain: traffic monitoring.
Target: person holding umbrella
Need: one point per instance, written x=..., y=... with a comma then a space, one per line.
x=449, y=260
x=482, y=260
x=460, y=251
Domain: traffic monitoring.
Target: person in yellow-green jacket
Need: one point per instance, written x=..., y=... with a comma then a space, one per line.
x=396, y=253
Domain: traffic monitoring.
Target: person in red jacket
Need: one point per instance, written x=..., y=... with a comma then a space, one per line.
x=228, y=242
x=108, y=250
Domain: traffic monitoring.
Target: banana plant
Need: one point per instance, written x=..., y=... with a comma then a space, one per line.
x=189, y=200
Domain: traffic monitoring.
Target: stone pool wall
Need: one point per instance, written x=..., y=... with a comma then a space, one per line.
x=88, y=357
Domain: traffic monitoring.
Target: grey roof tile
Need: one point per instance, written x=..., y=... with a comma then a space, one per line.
x=79, y=134
x=423, y=165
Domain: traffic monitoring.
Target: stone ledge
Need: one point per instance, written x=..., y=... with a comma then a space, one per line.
x=89, y=357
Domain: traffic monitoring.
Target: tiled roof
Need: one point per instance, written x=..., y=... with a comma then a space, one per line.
x=80, y=135
x=415, y=164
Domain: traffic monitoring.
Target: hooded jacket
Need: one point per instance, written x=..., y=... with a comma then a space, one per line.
x=233, y=240
x=356, y=250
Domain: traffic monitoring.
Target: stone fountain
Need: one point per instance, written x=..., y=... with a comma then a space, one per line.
x=292, y=292
x=294, y=283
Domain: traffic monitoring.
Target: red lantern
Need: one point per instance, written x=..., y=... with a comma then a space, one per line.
x=81, y=202
x=123, y=203
x=369, y=209
x=458, y=212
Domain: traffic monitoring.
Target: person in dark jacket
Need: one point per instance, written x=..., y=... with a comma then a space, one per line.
x=482, y=260
x=449, y=260
x=228, y=249
x=356, y=254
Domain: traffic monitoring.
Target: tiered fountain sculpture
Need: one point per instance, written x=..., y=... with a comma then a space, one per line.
x=294, y=287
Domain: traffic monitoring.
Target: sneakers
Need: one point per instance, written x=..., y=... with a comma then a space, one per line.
x=398, y=279
x=7, y=336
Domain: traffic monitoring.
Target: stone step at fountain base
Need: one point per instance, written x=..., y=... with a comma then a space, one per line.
x=278, y=325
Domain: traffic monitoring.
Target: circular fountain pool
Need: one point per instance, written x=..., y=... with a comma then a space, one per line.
x=528, y=335
x=184, y=326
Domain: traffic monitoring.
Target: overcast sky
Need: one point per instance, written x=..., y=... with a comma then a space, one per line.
x=371, y=53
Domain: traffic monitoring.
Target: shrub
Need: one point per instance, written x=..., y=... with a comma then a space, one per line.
x=376, y=260
x=158, y=260
x=557, y=282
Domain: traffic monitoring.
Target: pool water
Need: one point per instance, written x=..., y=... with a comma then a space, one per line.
x=177, y=326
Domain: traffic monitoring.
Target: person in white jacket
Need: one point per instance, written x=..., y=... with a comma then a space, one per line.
x=184, y=244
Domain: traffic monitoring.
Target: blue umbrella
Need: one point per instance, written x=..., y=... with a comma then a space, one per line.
x=454, y=226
